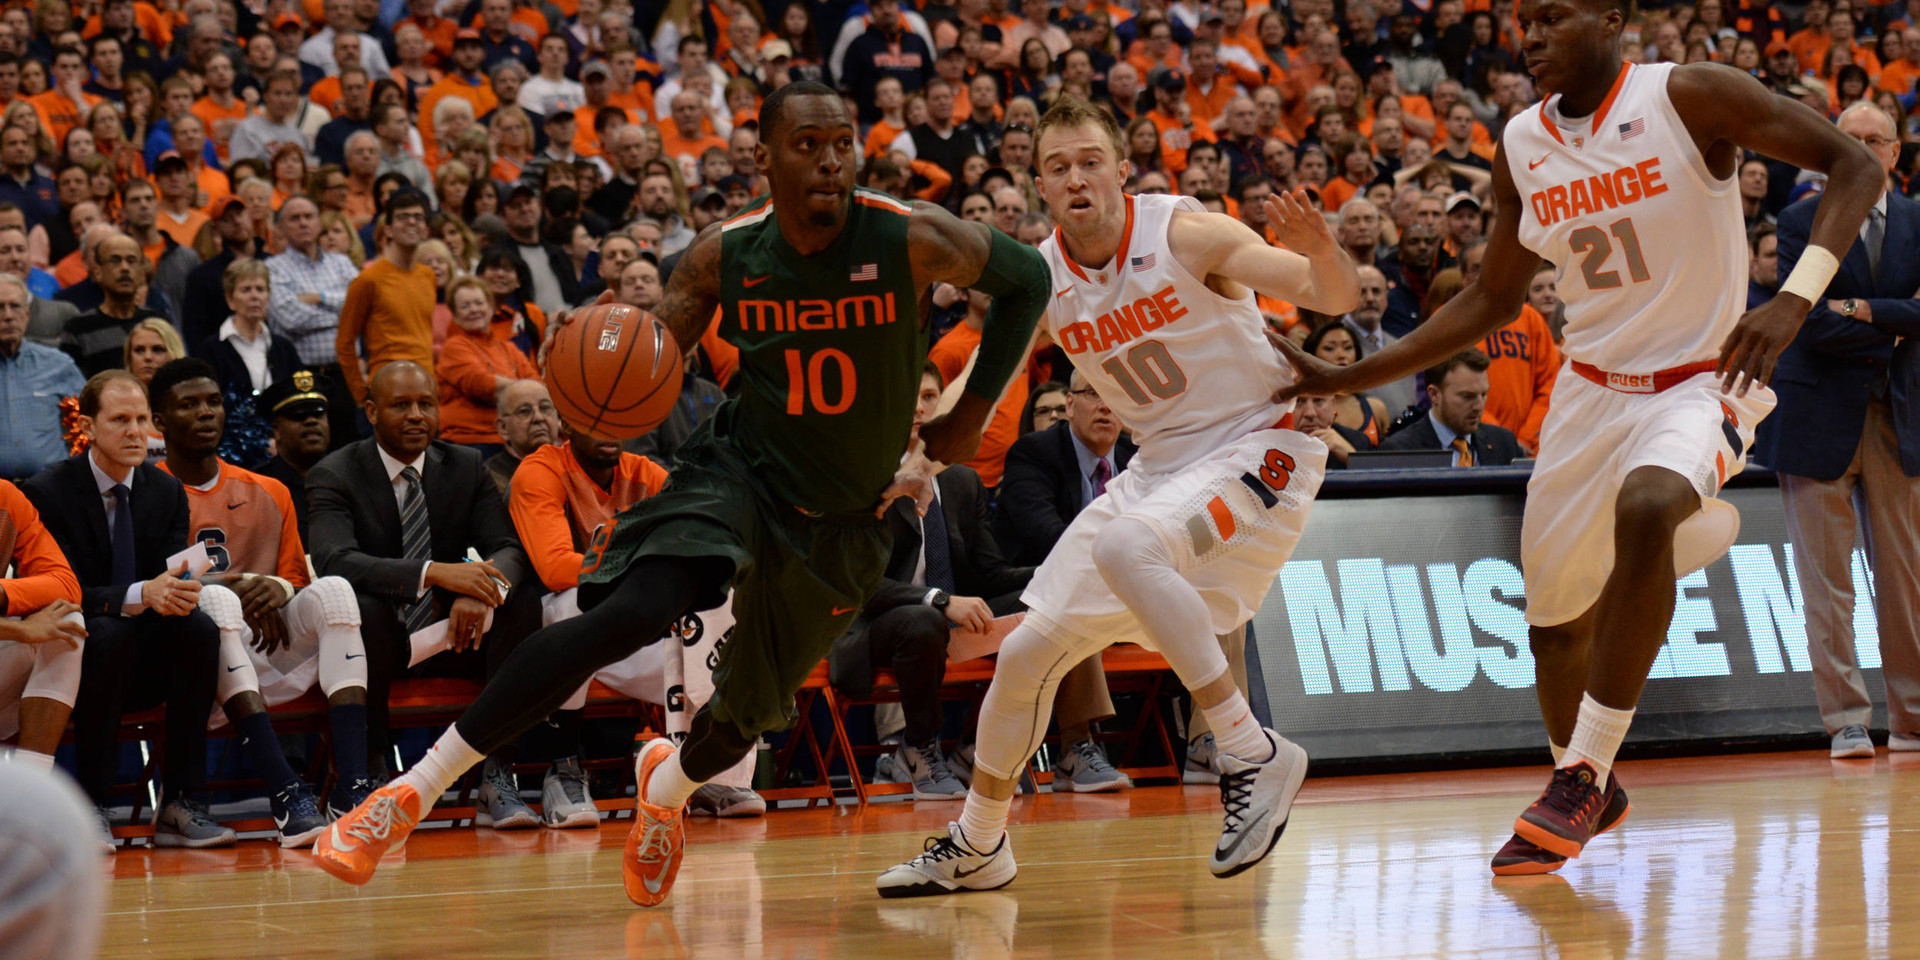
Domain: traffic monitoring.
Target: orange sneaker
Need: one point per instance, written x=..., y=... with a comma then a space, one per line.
x=659, y=835
x=352, y=847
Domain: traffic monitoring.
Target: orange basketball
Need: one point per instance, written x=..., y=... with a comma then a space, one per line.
x=614, y=371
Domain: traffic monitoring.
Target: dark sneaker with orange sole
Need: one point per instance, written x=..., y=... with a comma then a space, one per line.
x=1567, y=815
x=1522, y=857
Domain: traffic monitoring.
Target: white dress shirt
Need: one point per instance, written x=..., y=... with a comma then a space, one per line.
x=253, y=352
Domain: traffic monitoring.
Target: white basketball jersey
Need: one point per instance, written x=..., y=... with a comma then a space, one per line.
x=1186, y=369
x=1651, y=247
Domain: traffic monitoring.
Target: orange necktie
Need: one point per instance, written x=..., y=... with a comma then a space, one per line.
x=1465, y=451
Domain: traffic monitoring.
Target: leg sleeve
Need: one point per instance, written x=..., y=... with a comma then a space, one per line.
x=1025, y=680
x=56, y=672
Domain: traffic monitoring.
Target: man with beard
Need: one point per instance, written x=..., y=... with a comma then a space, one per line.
x=656, y=202
x=297, y=411
x=527, y=422
x=1420, y=259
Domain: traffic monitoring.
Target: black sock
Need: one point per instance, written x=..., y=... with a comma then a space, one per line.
x=566, y=732
x=349, y=723
x=263, y=748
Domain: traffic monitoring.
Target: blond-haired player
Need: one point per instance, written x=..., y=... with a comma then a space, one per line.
x=1154, y=303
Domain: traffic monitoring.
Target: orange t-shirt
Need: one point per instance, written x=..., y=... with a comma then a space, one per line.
x=880, y=137
x=681, y=149
x=393, y=309
x=59, y=114
x=220, y=121
x=951, y=355
x=183, y=233
x=440, y=36
x=325, y=94
x=1175, y=138
x=468, y=365
x=41, y=574
x=556, y=507
x=1525, y=365
x=249, y=525
x=72, y=269
x=1899, y=76
x=585, y=141
x=1211, y=104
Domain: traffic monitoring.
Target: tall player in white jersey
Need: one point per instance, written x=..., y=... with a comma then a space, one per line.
x=1152, y=304
x=1623, y=178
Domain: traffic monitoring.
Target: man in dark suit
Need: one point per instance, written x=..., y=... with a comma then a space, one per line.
x=1313, y=416
x=1053, y=474
x=1457, y=391
x=118, y=520
x=945, y=569
x=1846, y=433
x=395, y=515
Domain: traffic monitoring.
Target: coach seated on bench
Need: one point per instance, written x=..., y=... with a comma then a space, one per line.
x=1457, y=389
x=1314, y=416
x=394, y=516
x=945, y=570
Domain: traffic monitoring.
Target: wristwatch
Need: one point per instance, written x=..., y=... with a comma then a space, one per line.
x=1848, y=307
x=938, y=599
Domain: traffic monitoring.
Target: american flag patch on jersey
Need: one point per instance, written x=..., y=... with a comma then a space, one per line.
x=1633, y=128
x=867, y=271
x=1143, y=264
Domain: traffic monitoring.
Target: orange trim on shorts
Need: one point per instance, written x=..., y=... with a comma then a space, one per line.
x=1657, y=382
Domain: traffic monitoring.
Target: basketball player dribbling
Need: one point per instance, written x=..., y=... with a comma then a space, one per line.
x=779, y=494
x=1154, y=304
x=1624, y=178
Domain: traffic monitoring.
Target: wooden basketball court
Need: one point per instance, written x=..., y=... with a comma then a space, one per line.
x=1755, y=856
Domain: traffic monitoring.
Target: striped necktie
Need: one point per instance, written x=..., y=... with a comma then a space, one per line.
x=417, y=542
x=1464, y=451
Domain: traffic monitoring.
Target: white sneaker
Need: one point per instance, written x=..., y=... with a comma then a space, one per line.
x=564, y=800
x=1258, y=797
x=1083, y=768
x=1898, y=742
x=1852, y=741
x=724, y=802
x=950, y=866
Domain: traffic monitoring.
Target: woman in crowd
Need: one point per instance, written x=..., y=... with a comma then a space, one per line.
x=243, y=375
x=290, y=174
x=450, y=184
x=1046, y=405
x=463, y=249
x=1022, y=110
x=104, y=187
x=513, y=136
x=439, y=259
x=337, y=234
x=79, y=146
x=33, y=77
x=1034, y=73
x=412, y=70
x=473, y=148
x=473, y=367
x=795, y=26
x=110, y=140
x=578, y=242
x=1143, y=145
x=328, y=188
x=515, y=320
x=1746, y=56
x=257, y=194
x=150, y=344
x=483, y=199
x=1335, y=344
x=22, y=114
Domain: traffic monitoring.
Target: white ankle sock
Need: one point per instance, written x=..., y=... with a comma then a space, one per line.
x=668, y=785
x=1596, y=737
x=1557, y=750
x=1235, y=730
x=450, y=757
x=35, y=759
x=983, y=821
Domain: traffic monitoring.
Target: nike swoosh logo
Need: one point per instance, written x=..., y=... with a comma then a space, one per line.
x=842, y=611
x=1534, y=163
x=236, y=506
x=356, y=656
x=752, y=282
x=232, y=669
x=963, y=874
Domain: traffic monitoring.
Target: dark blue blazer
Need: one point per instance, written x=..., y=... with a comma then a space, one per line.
x=1825, y=377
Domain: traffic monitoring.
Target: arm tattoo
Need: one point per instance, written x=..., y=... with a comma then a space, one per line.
x=694, y=291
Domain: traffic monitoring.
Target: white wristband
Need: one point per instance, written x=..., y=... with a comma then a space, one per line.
x=1812, y=274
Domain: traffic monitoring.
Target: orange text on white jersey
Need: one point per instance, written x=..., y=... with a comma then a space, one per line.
x=1597, y=194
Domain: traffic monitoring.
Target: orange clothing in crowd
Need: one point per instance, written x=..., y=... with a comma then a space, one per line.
x=1899, y=76
x=255, y=520
x=1809, y=45
x=439, y=32
x=1525, y=365
x=1211, y=104
x=723, y=358
x=951, y=355
x=59, y=114
x=72, y=269
x=638, y=101
x=481, y=96
x=157, y=27
x=41, y=574
x=586, y=142
x=685, y=150
x=326, y=95
x=1175, y=138
x=219, y=121
x=1337, y=192
x=556, y=507
x=469, y=364
x=880, y=137
x=938, y=181
x=393, y=309
x=360, y=206
x=183, y=232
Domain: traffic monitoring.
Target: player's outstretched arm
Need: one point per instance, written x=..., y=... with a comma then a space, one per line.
x=1486, y=305
x=1309, y=269
x=946, y=249
x=693, y=293
x=1723, y=105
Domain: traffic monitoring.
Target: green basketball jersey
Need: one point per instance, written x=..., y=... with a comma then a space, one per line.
x=831, y=348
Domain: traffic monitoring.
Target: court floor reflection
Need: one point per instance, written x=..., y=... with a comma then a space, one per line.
x=1800, y=864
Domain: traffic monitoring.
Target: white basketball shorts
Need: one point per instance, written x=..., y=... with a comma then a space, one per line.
x=1593, y=437
x=1230, y=520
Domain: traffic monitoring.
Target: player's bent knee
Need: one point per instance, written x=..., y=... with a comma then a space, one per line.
x=223, y=607
x=1652, y=502
x=338, y=605
x=1124, y=546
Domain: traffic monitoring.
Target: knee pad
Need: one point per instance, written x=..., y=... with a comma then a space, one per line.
x=338, y=605
x=56, y=672
x=220, y=604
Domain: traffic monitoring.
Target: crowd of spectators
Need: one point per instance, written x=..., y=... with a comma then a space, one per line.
x=360, y=217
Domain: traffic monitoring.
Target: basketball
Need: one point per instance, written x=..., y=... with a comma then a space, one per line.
x=614, y=372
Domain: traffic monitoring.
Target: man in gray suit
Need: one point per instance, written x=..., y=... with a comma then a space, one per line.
x=1364, y=324
x=45, y=317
